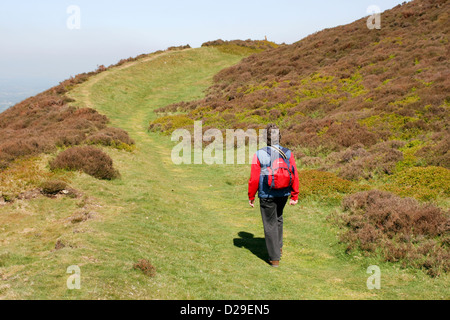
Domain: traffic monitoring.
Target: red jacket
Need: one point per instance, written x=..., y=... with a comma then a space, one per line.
x=254, y=182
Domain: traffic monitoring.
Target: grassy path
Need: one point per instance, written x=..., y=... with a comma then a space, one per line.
x=192, y=222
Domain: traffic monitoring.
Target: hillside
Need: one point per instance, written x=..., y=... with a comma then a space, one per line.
x=161, y=231
x=367, y=114
x=357, y=102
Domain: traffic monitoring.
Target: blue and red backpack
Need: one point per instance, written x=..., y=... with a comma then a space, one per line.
x=280, y=171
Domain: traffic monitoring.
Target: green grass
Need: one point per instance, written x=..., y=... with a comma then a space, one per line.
x=186, y=220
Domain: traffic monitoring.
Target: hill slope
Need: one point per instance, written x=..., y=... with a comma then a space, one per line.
x=193, y=222
x=370, y=106
x=193, y=225
x=350, y=100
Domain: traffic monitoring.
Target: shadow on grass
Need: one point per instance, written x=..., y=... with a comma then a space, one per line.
x=257, y=246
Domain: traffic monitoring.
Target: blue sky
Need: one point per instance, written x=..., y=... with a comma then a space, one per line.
x=37, y=49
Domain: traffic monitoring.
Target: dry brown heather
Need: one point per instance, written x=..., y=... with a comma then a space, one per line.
x=146, y=267
x=355, y=101
x=251, y=44
x=88, y=159
x=399, y=229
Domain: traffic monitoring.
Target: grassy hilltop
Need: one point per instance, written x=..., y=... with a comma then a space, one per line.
x=124, y=206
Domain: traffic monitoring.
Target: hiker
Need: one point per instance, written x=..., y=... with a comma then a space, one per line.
x=274, y=176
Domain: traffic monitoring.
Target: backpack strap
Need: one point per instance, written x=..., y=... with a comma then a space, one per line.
x=279, y=151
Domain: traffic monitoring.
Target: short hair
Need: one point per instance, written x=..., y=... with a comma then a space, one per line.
x=273, y=134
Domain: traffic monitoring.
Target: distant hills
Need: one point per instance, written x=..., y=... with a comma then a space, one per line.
x=15, y=90
x=4, y=106
x=9, y=99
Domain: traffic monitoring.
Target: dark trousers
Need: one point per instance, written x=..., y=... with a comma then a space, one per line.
x=272, y=215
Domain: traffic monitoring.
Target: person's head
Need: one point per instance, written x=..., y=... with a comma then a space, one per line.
x=273, y=134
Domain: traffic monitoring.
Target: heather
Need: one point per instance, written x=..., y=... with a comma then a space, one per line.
x=146, y=267
x=111, y=137
x=52, y=187
x=88, y=159
x=400, y=230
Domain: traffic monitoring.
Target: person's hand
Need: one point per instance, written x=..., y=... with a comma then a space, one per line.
x=293, y=202
x=252, y=203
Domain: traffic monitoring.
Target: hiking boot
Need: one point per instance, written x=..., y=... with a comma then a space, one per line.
x=274, y=264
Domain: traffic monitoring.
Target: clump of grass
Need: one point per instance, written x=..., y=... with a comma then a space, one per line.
x=177, y=48
x=422, y=183
x=326, y=185
x=146, y=267
x=168, y=124
x=319, y=182
x=52, y=187
x=437, y=153
x=241, y=47
x=59, y=245
x=22, y=176
x=4, y=257
x=398, y=229
x=112, y=137
x=88, y=159
x=81, y=216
